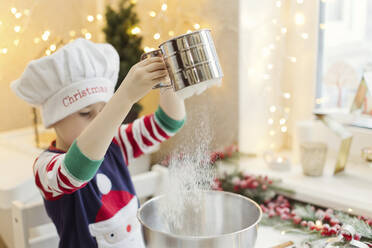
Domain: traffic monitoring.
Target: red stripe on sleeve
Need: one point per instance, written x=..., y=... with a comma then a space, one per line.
x=160, y=131
x=47, y=195
x=51, y=163
x=146, y=141
x=136, y=150
x=65, y=180
x=147, y=121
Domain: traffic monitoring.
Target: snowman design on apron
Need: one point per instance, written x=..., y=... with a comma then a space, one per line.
x=116, y=224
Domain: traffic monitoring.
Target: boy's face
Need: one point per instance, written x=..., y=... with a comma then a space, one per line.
x=70, y=127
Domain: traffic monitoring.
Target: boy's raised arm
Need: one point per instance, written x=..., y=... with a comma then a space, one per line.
x=144, y=134
x=95, y=139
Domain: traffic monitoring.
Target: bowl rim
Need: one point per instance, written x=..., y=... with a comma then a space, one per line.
x=259, y=217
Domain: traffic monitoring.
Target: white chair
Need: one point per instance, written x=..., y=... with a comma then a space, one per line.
x=32, y=227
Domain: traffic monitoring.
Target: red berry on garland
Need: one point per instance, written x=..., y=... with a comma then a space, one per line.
x=334, y=222
x=286, y=210
x=249, y=181
x=356, y=236
x=271, y=205
x=264, y=209
x=326, y=230
x=271, y=213
x=333, y=231
x=304, y=223
x=280, y=198
x=369, y=222
x=254, y=184
x=285, y=205
x=327, y=217
x=297, y=220
x=236, y=188
x=278, y=210
x=347, y=237
x=285, y=217
x=243, y=184
x=317, y=228
x=213, y=158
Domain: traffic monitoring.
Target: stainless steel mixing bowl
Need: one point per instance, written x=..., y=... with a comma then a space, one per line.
x=224, y=220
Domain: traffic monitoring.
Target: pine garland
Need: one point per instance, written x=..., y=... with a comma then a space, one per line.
x=360, y=224
x=259, y=188
x=286, y=215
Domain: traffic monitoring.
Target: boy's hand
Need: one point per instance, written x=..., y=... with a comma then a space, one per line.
x=143, y=76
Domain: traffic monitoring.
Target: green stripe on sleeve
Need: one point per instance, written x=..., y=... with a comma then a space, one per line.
x=166, y=122
x=80, y=166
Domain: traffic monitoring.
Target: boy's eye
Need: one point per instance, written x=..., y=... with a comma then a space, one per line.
x=84, y=114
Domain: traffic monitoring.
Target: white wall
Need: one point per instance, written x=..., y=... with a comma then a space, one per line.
x=261, y=23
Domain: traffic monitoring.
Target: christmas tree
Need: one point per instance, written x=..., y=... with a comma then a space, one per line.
x=122, y=33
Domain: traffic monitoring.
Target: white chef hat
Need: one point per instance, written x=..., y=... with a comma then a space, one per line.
x=77, y=75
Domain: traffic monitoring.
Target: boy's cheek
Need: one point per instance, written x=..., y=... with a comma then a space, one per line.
x=74, y=129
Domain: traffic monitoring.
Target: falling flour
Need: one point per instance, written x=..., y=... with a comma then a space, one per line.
x=197, y=88
x=189, y=175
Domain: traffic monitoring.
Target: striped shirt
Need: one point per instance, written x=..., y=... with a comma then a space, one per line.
x=92, y=202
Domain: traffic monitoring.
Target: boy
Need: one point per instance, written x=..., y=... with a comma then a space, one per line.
x=86, y=187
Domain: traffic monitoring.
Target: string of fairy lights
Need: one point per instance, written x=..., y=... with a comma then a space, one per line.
x=156, y=14
x=279, y=113
x=45, y=37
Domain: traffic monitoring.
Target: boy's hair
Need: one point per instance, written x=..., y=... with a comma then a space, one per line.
x=77, y=75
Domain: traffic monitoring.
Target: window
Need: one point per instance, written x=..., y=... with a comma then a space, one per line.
x=345, y=50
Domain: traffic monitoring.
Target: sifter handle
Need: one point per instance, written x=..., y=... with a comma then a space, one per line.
x=156, y=53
